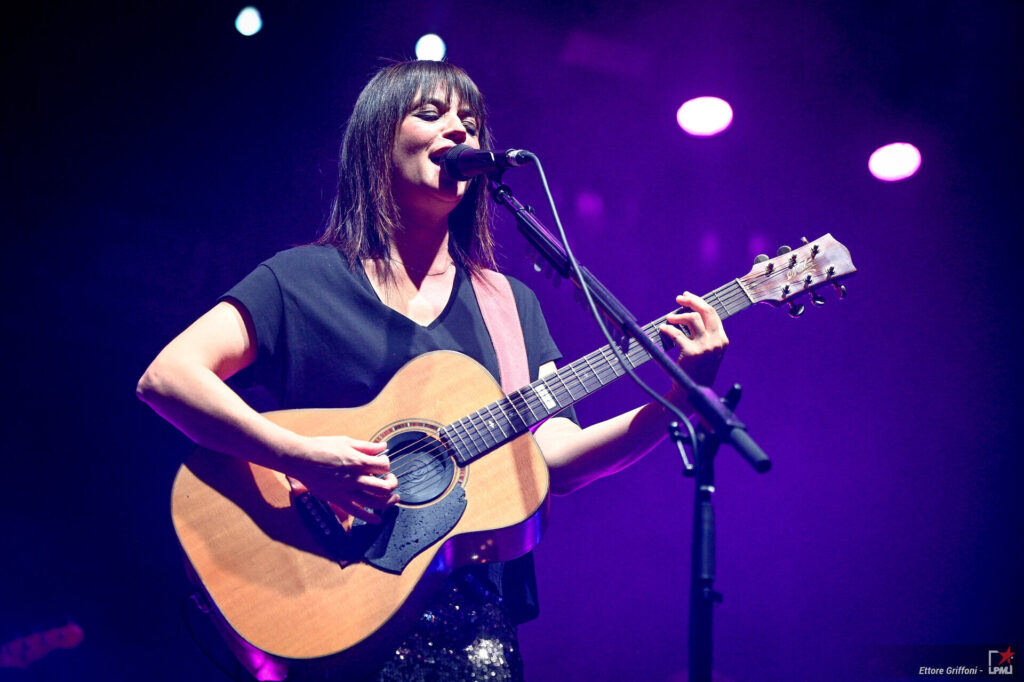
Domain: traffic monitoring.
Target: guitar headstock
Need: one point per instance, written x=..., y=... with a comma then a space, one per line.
x=792, y=273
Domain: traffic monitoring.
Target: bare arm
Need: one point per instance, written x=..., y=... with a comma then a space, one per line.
x=185, y=385
x=578, y=456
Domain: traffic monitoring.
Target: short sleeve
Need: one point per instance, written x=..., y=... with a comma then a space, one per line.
x=260, y=294
x=540, y=347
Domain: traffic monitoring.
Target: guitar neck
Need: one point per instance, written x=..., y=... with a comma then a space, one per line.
x=513, y=415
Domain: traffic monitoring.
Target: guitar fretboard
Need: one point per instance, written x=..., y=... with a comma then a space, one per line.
x=501, y=421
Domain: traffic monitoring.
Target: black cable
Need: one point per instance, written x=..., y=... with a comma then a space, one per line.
x=597, y=315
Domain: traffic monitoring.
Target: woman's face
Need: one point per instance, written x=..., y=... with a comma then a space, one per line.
x=430, y=129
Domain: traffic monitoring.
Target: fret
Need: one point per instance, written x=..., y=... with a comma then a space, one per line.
x=546, y=398
x=513, y=417
x=539, y=395
x=493, y=421
x=521, y=423
x=563, y=374
x=454, y=441
x=599, y=367
x=476, y=435
x=579, y=374
x=567, y=400
x=521, y=400
x=471, y=434
x=596, y=373
x=590, y=369
x=608, y=353
x=479, y=423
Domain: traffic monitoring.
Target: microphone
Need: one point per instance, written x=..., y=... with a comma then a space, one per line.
x=462, y=162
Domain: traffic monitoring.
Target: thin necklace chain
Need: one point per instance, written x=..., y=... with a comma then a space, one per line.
x=447, y=268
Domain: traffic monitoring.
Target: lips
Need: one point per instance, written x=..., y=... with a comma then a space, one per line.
x=436, y=157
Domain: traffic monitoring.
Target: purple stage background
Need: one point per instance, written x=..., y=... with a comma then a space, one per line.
x=155, y=157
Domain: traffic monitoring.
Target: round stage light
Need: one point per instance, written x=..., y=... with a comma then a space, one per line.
x=704, y=116
x=249, y=22
x=430, y=48
x=896, y=161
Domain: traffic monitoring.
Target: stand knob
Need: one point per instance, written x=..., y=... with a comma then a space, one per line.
x=712, y=596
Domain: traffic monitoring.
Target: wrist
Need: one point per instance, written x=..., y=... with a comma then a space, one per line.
x=288, y=449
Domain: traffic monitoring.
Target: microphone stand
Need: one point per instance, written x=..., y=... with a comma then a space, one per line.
x=720, y=426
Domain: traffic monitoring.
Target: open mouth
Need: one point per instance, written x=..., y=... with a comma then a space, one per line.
x=436, y=157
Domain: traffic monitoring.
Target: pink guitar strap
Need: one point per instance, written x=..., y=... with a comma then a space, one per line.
x=501, y=317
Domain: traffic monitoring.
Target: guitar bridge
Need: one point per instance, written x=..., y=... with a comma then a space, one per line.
x=342, y=545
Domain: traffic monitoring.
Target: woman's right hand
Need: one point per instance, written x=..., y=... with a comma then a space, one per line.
x=352, y=474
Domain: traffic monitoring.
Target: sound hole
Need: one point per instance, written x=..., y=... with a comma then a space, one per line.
x=422, y=465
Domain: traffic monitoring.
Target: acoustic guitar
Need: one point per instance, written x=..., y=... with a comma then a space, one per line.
x=292, y=581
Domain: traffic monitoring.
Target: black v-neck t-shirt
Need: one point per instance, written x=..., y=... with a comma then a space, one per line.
x=325, y=339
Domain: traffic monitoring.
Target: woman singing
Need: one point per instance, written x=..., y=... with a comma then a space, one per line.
x=391, y=278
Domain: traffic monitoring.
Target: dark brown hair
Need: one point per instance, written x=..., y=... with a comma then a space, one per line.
x=364, y=216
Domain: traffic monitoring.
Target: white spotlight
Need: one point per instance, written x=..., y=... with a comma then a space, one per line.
x=249, y=22
x=430, y=48
x=896, y=161
x=704, y=116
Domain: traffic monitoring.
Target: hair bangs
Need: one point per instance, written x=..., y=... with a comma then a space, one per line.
x=427, y=79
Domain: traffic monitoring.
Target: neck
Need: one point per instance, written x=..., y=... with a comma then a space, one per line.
x=420, y=249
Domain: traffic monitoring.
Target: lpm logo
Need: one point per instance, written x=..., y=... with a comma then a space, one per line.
x=1000, y=662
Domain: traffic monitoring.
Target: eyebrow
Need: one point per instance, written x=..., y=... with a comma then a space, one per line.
x=441, y=104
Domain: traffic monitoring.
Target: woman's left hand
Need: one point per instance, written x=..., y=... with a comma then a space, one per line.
x=700, y=353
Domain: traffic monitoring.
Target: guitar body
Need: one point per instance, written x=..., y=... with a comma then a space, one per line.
x=281, y=590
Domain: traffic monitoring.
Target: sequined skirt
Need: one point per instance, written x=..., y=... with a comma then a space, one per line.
x=464, y=634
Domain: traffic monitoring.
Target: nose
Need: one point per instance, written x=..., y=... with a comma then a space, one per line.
x=454, y=129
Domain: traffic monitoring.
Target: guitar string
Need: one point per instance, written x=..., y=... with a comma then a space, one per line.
x=726, y=295
x=603, y=375
x=637, y=352
x=525, y=401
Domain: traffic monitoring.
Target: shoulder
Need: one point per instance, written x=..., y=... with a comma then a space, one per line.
x=310, y=255
x=520, y=290
x=525, y=297
x=312, y=264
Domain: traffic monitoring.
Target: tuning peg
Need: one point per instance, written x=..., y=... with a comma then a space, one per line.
x=840, y=289
x=795, y=309
x=816, y=299
x=760, y=258
x=783, y=249
x=803, y=240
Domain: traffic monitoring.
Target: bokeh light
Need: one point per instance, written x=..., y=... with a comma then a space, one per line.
x=704, y=116
x=249, y=22
x=896, y=161
x=430, y=48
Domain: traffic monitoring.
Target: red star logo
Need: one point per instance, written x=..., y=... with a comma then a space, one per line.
x=1006, y=656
